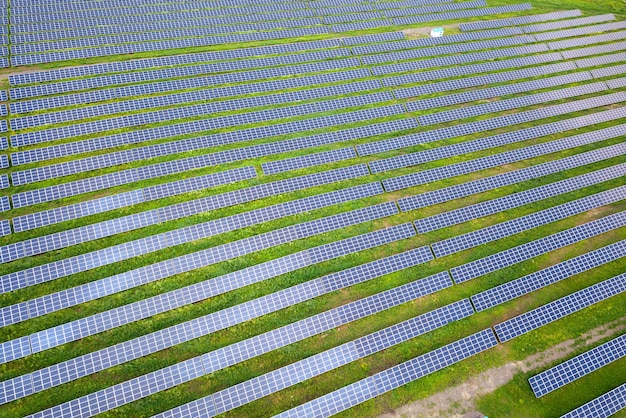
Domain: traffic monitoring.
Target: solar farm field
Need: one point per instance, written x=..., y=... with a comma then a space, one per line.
x=311, y=208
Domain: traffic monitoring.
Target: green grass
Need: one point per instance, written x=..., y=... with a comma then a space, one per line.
x=513, y=399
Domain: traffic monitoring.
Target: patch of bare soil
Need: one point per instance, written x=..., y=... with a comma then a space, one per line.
x=421, y=32
x=459, y=401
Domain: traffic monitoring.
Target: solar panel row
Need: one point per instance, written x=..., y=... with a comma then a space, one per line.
x=531, y=249
x=594, y=50
x=525, y=223
x=539, y=279
x=508, y=178
x=100, y=205
x=540, y=27
x=61, y=150
x=455, y=59
x=547, y=36
x=463, y=14
x=69, y=54
x=274, y=113
x=135, y=65
x=514, y=200
x=577, y=367
x=309, y=160
x=264, y=385
x=560, y=308
x=127, y=223
x=511, y=137
x=603, y=406
x=96, y=183
x=489, y=24
x=185, y=98
x=388, y=379
x=170, y=267
x=230, y=355
x=500, y=77
x=207, y=324
x=587, y=40
x=134, y=197
x=120, y=252
x=509, y=104
x=470, y=166
x=508, y=89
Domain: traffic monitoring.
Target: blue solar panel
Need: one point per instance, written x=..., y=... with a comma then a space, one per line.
x=560, y=308
x=547, y=276
x=141, y=346
x=534, y=248
x=309, y=160
x=133, y=65
x=386, y=380
x=488, y=24
x=192, y=261
x=577, y=367
x=508, y=178
x=533, y=220
x=105, y=256
x=453, y=170
x=603, y=406
x=308, y=368
x=229, y=355
x=461, y=14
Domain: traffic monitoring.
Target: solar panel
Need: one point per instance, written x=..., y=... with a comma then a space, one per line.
x=524, y=223
x=195, y=143
x=133, y=65
x=508, y=104
x=59, y=191
x=594, y=50
x=461, y=14
x=507, y=89
x=107, y=203
x=519, y=20
x=587, y=40
x=5, y=204
x=309, y=160
x=508, y=178
x=70, y=54
x=248, y=391
x=514, y=200
x=225, y=356
x=603, y=60
x=160, y=74
x=520, y=154
x=189, y=262
x=603, y=406
x=104, y=125
x=568, y=23
x=500, y=77
x=450, y=59
x=120, y=353
x=105, y=256
x=377, y=37
x=388, y=379
x=548, y=36
x=560, y=308
x=547, y=276
x=577, y=367
x=185, y=98
x=160, y=191
x=540, y=246
x=5, y=227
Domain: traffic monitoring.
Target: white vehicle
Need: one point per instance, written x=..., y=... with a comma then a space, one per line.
x=436, y=32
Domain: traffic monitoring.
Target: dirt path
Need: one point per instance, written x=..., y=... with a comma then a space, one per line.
x=459, y=401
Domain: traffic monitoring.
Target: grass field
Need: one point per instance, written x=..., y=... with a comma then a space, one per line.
x=515, y=399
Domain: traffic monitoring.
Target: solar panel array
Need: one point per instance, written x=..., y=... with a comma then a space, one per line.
x=567, y=305
x=391, y=378
x=246, y=349
x=478, y=210
x=217, y=123
x=547, y=276
x=603, y=406
x=525, y=251
x=577, y=367
x=142, y=346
